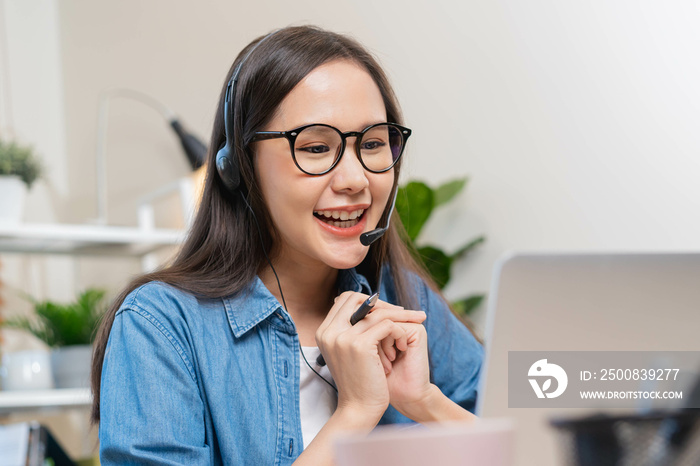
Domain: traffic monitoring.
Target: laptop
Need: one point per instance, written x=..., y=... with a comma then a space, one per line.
x=581, y=302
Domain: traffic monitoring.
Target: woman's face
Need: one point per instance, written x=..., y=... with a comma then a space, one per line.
x=343, y=95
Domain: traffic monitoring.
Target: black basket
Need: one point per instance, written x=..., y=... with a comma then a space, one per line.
x=658, y=439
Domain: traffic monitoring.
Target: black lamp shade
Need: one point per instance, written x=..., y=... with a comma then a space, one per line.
x=195, y=150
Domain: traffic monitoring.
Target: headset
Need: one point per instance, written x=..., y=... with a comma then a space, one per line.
x=226, y=160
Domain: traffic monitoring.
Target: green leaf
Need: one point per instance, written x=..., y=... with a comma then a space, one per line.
x=438, y=264
x=414, y=205
x=468, y=247
x=32, y=326
x=467, y=305
x=447, y=191
x=63, y=324
x=20, y=161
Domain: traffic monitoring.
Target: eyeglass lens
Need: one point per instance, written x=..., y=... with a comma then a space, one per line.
x=317, y=147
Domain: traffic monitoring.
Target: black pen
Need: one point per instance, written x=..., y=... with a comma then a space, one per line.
x=357, y=316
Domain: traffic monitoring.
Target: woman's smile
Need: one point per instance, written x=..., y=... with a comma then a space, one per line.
x=343, y=221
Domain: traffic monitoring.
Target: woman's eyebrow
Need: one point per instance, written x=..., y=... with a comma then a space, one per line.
x=375, y=122
x=358, y=128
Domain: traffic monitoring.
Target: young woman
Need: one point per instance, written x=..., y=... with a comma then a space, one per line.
x=213, y=359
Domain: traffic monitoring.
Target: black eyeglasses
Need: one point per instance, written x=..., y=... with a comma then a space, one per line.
x=317, y=148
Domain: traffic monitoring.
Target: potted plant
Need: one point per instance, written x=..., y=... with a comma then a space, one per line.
x=68, y=329
x=415, y=203
x=19, y=169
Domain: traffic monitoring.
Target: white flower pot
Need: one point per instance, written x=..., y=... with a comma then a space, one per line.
x=13, y=191
x=26, y=370
x=71, y=366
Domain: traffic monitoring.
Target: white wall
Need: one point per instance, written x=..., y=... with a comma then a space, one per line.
x=33, y=91
x=32, y=112
x=581, y=125
x=576, y=121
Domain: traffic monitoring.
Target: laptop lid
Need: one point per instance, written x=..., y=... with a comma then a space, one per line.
x=582, y=302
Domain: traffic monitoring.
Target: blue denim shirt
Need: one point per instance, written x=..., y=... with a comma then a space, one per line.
x=216, y=381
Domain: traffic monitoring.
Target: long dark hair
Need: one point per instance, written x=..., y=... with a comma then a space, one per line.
x=223, y=252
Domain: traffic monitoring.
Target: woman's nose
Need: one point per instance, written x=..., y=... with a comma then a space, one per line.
x=349, y=175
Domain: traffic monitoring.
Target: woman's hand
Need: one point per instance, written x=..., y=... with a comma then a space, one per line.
x=409, y=377
x=410, y=390
x=353, y=352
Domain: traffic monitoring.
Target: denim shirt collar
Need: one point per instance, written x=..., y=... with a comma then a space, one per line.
x=255, y=304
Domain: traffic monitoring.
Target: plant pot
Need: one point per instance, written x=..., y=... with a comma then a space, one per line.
x=26, y=370
x=71, y=366
x=13, y=191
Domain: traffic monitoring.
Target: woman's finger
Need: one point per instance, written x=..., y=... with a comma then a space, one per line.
x=388, y=349
x=342, y=302
x=396, y=315
x=385, y=361
x=385, y=329
x=344, y=312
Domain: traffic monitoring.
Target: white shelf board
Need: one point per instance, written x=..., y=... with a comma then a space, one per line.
x=14, y=401
x=84, y=239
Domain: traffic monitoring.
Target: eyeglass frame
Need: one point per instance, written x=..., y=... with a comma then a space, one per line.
x=292, y=134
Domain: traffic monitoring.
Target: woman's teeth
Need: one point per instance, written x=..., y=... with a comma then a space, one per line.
x=340, y=218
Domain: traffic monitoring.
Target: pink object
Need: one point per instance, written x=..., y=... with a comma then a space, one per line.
x=484, y=443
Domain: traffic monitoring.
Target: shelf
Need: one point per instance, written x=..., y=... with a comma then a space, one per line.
x=85, y=239
x=25, y=400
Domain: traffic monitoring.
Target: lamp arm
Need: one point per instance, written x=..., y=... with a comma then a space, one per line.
x=139, y=96
x=102, y=124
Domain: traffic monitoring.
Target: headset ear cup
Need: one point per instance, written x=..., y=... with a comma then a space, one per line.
x=226, y=161
x=227, y=167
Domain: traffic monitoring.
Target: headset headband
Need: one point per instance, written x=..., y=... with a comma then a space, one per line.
x=226, y=160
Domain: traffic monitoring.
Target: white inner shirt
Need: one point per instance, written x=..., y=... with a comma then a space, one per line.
x=317, y=400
